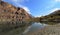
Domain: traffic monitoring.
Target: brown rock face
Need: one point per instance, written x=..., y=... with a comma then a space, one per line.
x=9, y=12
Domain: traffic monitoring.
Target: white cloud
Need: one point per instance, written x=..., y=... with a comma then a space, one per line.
x=57, y=0
x=54, y=10
x=15, y=0
x=24, y=7
x=17, y=3
x=20, y=1
x=27, y=9
x=38, y=15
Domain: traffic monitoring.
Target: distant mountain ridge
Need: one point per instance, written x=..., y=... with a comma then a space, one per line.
x=57, y=12
x=55, y=16
x=9, y=12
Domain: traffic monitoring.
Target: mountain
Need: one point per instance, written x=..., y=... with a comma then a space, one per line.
x=9, y=12
x=55, y=16
x=56, y=13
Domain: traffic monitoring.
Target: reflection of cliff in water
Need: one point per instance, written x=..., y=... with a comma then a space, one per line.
x=7, y=28
x=50, y=22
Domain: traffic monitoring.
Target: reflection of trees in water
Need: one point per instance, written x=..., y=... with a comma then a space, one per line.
x=50, y=23
x=5, y=27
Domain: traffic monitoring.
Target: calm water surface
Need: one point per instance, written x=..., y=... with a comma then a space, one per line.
x=34, y=27
x=24, y=28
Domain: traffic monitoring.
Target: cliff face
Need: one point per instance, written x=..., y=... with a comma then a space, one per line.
x=9, y=12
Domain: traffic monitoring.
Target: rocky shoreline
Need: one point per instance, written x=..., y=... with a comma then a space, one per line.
x=47, y=30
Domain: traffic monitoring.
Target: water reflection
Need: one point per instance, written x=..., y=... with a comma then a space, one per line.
x=50, y=23
x=22, y=28
x=10, y=28
x=33, y=28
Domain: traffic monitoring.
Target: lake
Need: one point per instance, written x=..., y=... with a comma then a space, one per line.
x=28, y=28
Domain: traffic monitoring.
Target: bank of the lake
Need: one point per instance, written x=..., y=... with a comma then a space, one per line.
x=47, y=30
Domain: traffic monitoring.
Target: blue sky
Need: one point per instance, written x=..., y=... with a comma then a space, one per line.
x=37, y=7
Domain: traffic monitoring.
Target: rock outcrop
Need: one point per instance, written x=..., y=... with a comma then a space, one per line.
x=9, y=12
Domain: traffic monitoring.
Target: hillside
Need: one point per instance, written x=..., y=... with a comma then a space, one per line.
x=12, y=17
x=9, y=12
x=55, y=16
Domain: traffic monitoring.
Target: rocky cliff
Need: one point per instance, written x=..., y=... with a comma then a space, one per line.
x=9, y=12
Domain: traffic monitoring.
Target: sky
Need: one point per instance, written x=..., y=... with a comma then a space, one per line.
x=37, y=8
